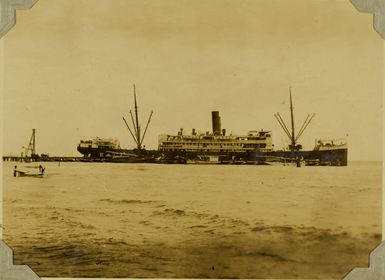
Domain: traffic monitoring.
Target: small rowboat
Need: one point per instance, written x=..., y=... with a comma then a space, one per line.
x=18, y=173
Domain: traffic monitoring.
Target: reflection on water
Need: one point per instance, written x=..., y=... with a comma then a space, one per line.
x=148, y=220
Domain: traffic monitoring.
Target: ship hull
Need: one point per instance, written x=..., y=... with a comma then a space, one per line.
x=99, y=152
x=117, y=155
x=332, y=157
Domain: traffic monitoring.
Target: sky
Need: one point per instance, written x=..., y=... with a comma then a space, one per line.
x=69, y=69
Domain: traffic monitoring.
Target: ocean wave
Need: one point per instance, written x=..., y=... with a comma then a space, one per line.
x=126, y=201
x=226, y=251
x=265, y=254
x=172, y=212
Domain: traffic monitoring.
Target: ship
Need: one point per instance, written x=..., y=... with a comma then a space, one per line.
x=108, y=149
x=254, y=147
x=332, y=152
x=98, y=147
x=218, y=147
x=215, y=146
x=328, y=152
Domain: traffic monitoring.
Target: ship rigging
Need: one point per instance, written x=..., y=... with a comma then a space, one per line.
x=292, y=137
x=136, y=131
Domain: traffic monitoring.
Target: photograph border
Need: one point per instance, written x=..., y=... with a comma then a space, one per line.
x=9, y=271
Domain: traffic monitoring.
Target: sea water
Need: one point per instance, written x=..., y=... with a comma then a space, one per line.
x=206, y=221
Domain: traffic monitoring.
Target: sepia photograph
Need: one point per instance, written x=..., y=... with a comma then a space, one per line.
x=192, y=138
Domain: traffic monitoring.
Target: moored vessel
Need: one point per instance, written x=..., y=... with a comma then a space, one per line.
x=255, y=147
x=109, y=150
x=333, y=152
x=100, y=148
x=215, y=146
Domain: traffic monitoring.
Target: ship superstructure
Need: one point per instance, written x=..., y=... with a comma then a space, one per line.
x=216, y=144
x=99, y=147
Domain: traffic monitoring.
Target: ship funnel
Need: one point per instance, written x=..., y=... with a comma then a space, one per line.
x=216, y=119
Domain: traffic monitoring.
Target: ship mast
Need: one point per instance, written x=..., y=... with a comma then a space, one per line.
x=137, y=122
x=291, y=136
x=135, y=132
x=292, y=124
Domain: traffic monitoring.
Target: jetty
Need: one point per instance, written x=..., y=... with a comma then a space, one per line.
x=29, y=154
x=40, y=158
